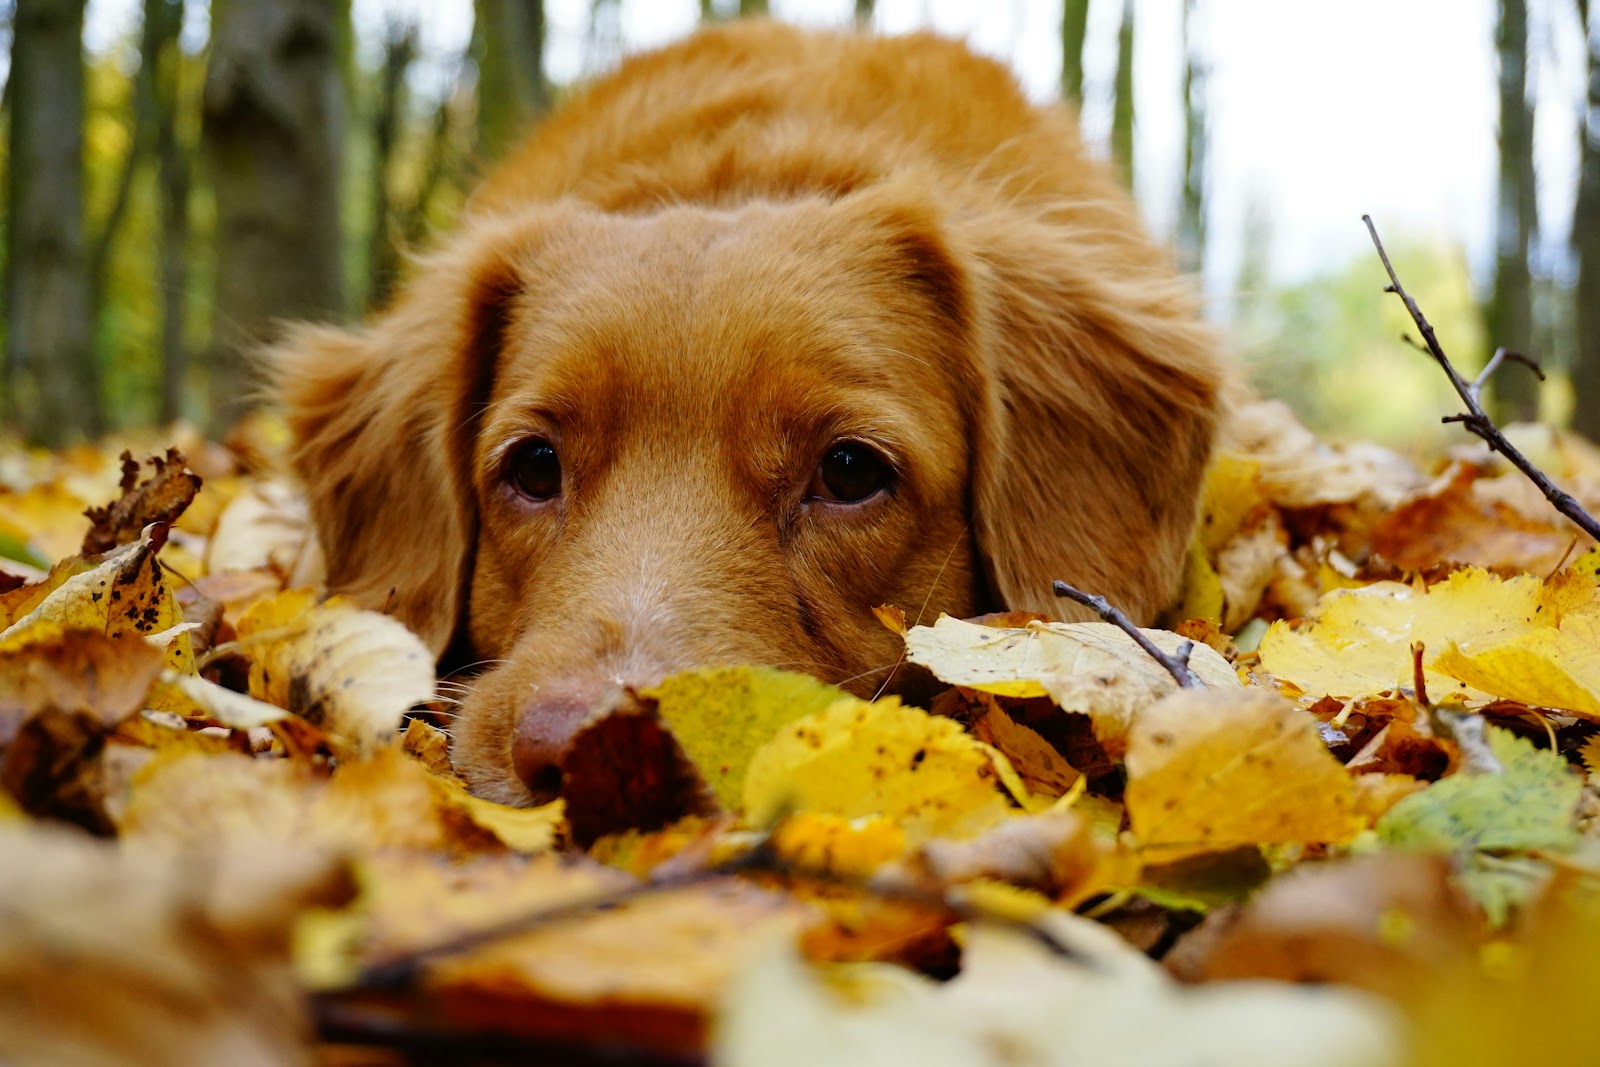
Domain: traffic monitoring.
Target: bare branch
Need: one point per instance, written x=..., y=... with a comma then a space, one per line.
x=1176, y=663
x=1474, y=418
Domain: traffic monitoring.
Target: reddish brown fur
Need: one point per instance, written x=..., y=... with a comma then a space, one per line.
x=695, y=277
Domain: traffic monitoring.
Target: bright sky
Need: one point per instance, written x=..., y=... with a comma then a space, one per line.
x=1318, y=111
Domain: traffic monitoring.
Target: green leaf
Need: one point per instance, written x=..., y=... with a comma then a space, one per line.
x=1493, y=823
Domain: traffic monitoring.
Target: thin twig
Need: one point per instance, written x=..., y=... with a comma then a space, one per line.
x=1474, y=418
x=1176, y=663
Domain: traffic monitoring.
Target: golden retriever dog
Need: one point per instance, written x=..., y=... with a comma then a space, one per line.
x=765, y=329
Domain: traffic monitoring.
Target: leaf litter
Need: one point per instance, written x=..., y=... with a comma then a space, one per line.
x=753, y=866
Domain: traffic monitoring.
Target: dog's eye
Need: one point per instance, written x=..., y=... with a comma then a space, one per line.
x=534, y=469
x=849, y=473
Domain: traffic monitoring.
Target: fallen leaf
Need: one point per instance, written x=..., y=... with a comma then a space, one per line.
x=49, y=517
x=1017, y=1001
x=265, y=527
x=19, y=601
x=146, y=957
x=625, y=770
x=1451, y=523
x=721, y=716
x=354, y=673
x=61, y=692
x=125, y=594
x=1089, y=667
x=883, y=759
x=1527, y=640
x=1382, y=923
x=383, y=802
x=1043, y=770
x=162, y=498
x=1496, y=823
x=1215, y=769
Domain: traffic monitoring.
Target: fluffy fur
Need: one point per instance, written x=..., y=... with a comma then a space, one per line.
x=693, y=279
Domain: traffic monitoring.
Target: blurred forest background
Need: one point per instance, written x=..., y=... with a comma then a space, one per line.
x=213, y=168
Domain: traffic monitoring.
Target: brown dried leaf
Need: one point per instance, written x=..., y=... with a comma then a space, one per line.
x=647, y=972
x=162, y=497
x=625, y=770
x=61, y=692
x=1042, y=769
x=116, y=957
x=1379, y=922
x=1452, y=523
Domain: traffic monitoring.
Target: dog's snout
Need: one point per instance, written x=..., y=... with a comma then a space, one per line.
x=544, y=731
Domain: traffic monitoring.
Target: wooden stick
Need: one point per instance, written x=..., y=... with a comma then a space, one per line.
x=1474, y=418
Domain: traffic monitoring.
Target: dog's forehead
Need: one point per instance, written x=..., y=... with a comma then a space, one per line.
x=676, y=309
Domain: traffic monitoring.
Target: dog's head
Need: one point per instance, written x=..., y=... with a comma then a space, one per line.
x=593, y=448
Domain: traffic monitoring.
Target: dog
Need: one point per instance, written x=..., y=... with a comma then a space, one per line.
x=765, y=329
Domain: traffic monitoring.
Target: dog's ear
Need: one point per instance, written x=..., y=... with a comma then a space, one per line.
x=1103, y=387
x=382, y=421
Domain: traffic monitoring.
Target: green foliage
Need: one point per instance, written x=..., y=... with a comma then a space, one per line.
x=1495, y=824
x=1332, y=345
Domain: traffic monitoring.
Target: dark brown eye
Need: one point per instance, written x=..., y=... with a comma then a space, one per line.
x=851, y=472
x=534, y=470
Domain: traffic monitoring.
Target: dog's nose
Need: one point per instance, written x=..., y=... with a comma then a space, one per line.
x=545, y=730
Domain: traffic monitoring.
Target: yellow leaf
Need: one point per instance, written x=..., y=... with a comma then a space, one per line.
x=720, y=716
x=1590, y=754
x=1211, y=769
x=264, y=526
x=353, y=672
x=1518, y=639
x=1089, y=667
x=125, y=594
x=49, y=516
x=191, y=695
x=519, y=829
x=1231, y=492
x=1201, y=596
x=858, y=759
x=850, y=848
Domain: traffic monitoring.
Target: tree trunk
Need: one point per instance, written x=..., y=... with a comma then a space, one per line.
x=1074, y=30
x=752, y=7
x=50, y=354
x=1586, y=240
x=172, y=196
x=274, y=118
x=142, y=104
x=1122, y=100
x=1192, y=207
x=384, y=240
x=512, y=91
x=864, y=11
x=1515, y=393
